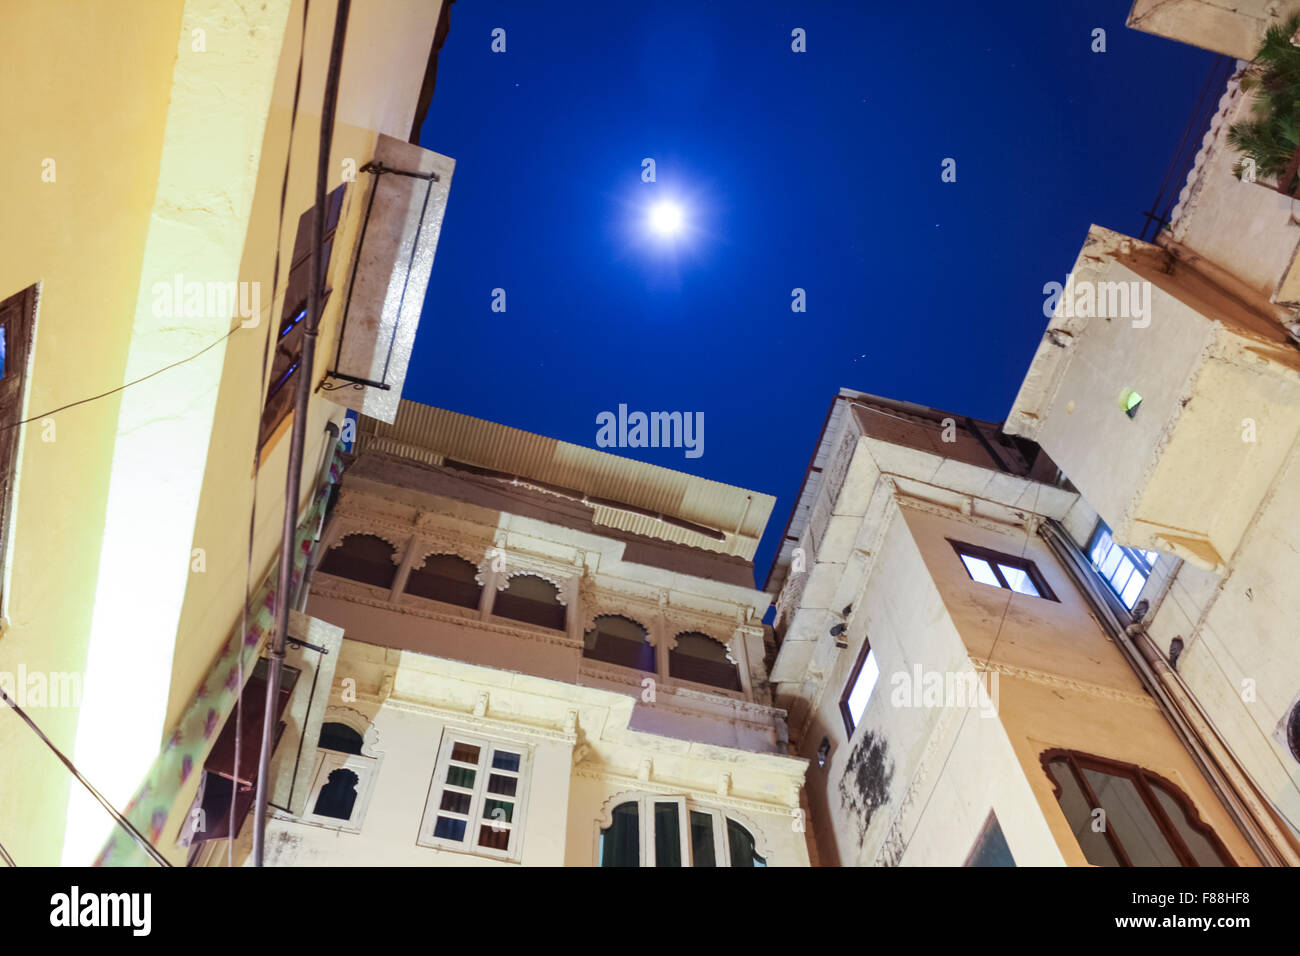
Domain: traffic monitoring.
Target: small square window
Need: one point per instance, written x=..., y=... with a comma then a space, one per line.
x=1125, y=569
x=1000, y=570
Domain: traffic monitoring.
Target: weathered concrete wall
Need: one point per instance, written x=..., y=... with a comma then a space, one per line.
x=1234, y=28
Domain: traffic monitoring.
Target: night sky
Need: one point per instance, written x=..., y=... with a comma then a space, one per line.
x=818, y=170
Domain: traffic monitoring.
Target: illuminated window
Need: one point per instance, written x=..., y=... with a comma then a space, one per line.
x=857, y=692
x=477, y=800
x=1002, y=570
x=1125, y=569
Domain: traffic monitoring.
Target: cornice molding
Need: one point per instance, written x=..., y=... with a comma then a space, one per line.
x=1068, y=683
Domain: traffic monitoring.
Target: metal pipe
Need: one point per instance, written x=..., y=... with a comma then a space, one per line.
x=293, y=478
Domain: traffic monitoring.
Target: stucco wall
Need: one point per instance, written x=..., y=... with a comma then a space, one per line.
x=82, y=237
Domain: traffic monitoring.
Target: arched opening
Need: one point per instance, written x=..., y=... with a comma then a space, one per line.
x=532, y=600
x=448, y=578
x=338, y=796
x=362, y=557
x=615, y=639
x=1147, y=820
x=340, y=738
x=699, y=658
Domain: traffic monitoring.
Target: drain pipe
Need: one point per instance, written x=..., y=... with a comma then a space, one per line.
x=1229, y=781
x=293, y=479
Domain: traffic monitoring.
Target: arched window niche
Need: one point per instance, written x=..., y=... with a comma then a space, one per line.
x=702, y=659
x=448, y=578
x=532, y=600
x=615, y=639
x=366, y=558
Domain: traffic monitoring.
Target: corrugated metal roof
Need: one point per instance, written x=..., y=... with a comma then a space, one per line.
x=431, y=435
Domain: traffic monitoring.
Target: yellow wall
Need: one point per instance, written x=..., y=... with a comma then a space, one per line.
x=85, y=84
x=96, y=87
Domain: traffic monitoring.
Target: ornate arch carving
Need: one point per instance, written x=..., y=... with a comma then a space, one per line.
x=351, y=528
x=355, y=720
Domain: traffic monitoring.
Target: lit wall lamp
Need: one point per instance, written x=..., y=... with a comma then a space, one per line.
x=824, y=752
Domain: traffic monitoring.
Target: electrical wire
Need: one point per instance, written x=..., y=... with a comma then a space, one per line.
x=122, y=821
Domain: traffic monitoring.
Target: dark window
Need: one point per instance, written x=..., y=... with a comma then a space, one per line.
x=364, y=558
x=743, y=848
x=1293, y=731
x=668, y=835
x=620, y=842
x=338, y=796
x=1125, y=569
x=698, y=657
x=17, y=316
x=703, y=852
x=1002, y=570
x=289, y=336
x=1123, y=815
x=991, y=847
x=447, y=578
x=858, y=688
x=619, y=640
x=532, y=600
x=339, y=737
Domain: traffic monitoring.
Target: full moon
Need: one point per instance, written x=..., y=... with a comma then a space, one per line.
x=666, y=218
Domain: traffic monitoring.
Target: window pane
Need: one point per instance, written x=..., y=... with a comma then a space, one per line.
x=1130, y=820
x=862, y=687
x=505, y=761
x=455, y=802
x=464, y=753
x=506, y=786
x=702, y=851
x=461, y=777
x=506, y=808
x=1131, y=590
x=1019, y=580
x=449, y=829
x=980, y=570
x=620, y=843
x=1078, y=813
x=1101, y=547
x=991, y=847
x=742, y=846
x=1113, y=558
x=1203, y=851
x=493, y=839
x=668, y=835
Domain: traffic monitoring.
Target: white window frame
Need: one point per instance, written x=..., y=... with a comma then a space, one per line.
x=366, y=768
x=488, y=747
x=645, y=823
